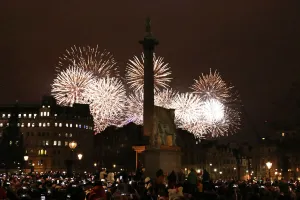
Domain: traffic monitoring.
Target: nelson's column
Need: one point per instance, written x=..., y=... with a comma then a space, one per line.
x=159, y=126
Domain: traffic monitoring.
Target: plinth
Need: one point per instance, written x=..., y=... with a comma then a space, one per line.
x=167, y=158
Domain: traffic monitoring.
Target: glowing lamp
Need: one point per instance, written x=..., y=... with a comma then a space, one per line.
x=73, y=145
x=269, y=165
x=79, y=156
x=26, y=158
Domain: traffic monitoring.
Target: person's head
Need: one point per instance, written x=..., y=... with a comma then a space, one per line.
x=193, y=170
x=160, y=175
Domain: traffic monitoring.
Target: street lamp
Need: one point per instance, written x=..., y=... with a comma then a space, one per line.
x=73, y=145
x=26, y=158
x=269, y=166
x=79, y=156
x=95, y=164
x=114, y=166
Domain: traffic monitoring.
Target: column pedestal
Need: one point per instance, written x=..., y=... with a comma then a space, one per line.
x=167, y=158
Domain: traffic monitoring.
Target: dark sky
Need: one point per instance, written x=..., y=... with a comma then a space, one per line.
x=254, y=44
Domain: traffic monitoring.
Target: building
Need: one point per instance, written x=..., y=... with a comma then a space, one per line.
x=46, y=130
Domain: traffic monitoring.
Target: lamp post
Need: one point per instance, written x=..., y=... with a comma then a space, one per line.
x=72, y=146
x=79, y=158
x=269, y=166
x=26, y=157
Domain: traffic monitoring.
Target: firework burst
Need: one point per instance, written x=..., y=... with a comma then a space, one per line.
x=101, y=64
x=69, y=85
x=134, y=105
x=135, y=73
x=106, y=97
x=212, y=86
x=165, y=98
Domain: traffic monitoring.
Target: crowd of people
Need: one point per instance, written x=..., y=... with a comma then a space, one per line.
x=110, y=185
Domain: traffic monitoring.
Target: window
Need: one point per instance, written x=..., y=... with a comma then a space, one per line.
x=48, y=114
x=19, y=115
x=8, y=115
x=70, y=125
x=40, y=124
x=42, y=114
x=24, y=115
x=48, y=106
x=55, y=115
x=282, y=134
x=54, y=143
x=58, y=143
x=45, y=114
x=66, y=143
x=10, y=143
x=18, y=124
x=3, y=115
x=44, y=124
x=60, y=124
x=32, y=125
x=67, y=125
x=28, y=124
x=1, y=124
x=79, y=125
x=22, y=125
x=43, y=106
x=48, y=124
x=76, y=125
x=47, y=143
x=30, y=115
x=55, y=124
x=44, y=143
x=70, y=135
x=34, y=115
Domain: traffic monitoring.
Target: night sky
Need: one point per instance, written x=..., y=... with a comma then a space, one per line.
x=254, y=44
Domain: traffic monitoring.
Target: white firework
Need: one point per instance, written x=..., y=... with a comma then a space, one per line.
x=213, y=111
x=165, y=98
x=107, y=98
x=135, y=73
x=187, y=109
x=69, y=85
x=100, y=63
x=135, y=105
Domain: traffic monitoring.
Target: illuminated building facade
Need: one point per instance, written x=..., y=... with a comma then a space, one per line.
x=47, y=129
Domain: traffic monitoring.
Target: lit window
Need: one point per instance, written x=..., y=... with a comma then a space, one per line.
x=34, y=115
x=60, y=124
x=79, y=125
x=71, y=125
x=66, y=143
x=8, y=115
x=30, y=115
x=44, y=124
x=42, y=114
x=43, y=106
x=76, y=125
x=55, y=115
x=1, y=124
x=10, y=142
x=59, y=135
x=58, y=143
x=55, y=124
x=282, y=134
x=66, y=134
x=47, y=143
x=48, y=106
x=45, y=114
x=44, y=143
x=39, y=162
x=3, y=115
x=48, y=124
x=45, y=152
x=67, y=125
x=54, y=143
x=70, y=134
x=48, y=114
x=19, y=115
x=32, y=125
x=7, y=124
x=28, y=124
x=18, y=124
x=24, y=115
x=22, y=125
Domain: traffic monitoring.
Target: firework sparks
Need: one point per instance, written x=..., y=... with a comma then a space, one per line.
x=134, y=111
x=165, y=98
x=101, y=64
x=135, y=73
x=107, y=98
x=68, y=86
x=212, y=86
